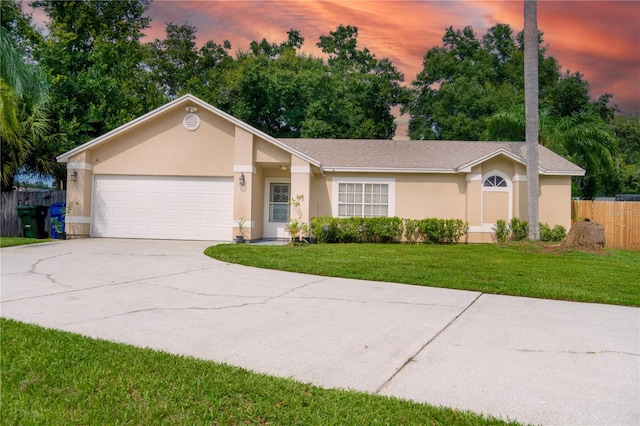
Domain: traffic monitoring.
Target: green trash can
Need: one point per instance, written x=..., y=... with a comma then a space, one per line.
x=33, y=219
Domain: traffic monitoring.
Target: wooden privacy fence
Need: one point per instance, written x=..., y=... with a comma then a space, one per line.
x=9, y=208
x=621, y=220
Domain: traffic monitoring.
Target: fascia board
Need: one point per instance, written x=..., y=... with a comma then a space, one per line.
x=581, y=172
x=385, y=170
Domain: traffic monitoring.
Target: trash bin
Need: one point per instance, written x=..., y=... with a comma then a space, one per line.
x=33, y=218
x=57, y=219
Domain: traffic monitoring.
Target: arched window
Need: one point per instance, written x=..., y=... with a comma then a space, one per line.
x=495, y=181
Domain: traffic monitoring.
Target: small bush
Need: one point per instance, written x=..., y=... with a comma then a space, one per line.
x=443, y=231
x=454, y=230
x=382, y=229
x=501, y=228
x=411, y=230
x=350, y=229
x=558, y=233
x=555, y=234
x=519, y=229
x=325, y=228
x=432, y=229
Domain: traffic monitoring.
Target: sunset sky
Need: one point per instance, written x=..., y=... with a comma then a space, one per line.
x=601, y=39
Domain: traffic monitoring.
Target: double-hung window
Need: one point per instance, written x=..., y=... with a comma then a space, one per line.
x=363, y=199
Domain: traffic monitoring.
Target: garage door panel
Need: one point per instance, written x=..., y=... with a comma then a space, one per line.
x=163, y=207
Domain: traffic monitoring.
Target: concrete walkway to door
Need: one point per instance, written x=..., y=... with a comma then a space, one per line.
x=536, y=361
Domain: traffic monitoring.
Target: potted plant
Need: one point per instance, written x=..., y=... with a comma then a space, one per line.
x=298, y=230
x=240, y=236
x=58, y=221
x=58, y=226
x=293, y=228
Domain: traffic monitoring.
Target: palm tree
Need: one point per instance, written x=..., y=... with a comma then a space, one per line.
x=23, y=110
x=531, y=112
x=583, y=138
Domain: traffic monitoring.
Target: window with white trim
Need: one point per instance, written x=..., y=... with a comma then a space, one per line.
x=363, y=199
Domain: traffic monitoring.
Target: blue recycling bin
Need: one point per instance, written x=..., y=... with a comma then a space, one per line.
x=57, y=219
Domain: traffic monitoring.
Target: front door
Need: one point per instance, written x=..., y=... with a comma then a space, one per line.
x=278, y=204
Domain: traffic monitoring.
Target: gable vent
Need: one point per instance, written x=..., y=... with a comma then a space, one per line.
x=191, y=122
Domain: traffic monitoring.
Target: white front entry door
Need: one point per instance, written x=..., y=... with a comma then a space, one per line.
x=277, y=207
x=163, y=207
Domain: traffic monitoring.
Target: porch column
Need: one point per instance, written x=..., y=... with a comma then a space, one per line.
x=300, y=188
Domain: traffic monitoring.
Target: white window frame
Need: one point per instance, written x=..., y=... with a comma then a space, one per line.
x=390, y=182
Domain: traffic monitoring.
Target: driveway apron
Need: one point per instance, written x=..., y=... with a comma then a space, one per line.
x=535, y=361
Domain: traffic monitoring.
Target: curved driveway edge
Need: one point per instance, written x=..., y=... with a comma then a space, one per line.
x=536, y=361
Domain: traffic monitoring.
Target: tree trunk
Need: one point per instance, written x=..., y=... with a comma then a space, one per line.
x=531, y=108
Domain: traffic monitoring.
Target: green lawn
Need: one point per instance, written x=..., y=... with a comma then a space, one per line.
x=19, y=241
x=525, y=269
x=53, y=377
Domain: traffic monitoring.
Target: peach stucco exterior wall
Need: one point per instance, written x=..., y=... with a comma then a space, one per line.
x=555, y=200
x=164, y=147
x=431, y=195
x=300, y=189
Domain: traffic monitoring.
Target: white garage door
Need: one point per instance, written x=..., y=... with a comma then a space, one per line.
x=161, y=207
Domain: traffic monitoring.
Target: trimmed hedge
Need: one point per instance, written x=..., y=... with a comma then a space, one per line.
x=330, y=229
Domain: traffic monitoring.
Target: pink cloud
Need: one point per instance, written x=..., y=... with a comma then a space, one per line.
x=600, y=39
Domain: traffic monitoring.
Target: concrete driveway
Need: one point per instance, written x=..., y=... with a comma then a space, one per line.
x=536, y=361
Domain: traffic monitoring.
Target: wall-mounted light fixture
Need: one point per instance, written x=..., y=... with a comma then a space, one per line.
x=283, y=168
x=74, y=176
x=242, y=180
x=191, y=109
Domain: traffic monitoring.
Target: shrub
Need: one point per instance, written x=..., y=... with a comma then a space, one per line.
x=325, y=229
x=545, y=232
x=350, y=229
x=454, y=230
x=519, y=229
x=431, y=229
x=411, y=229
x=381, y=229
x=502, y=230
x=558, y=233
x=441, y=231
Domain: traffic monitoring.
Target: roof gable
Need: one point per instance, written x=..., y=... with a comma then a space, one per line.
x=181, y=102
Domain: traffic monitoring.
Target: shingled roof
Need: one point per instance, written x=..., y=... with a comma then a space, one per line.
x=422, y=156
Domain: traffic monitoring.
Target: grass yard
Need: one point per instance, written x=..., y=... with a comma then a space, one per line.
x=19, y=241
x=524, y=269
x=54, y=377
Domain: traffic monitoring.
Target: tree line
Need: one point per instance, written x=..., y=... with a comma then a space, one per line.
x=90, y=72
